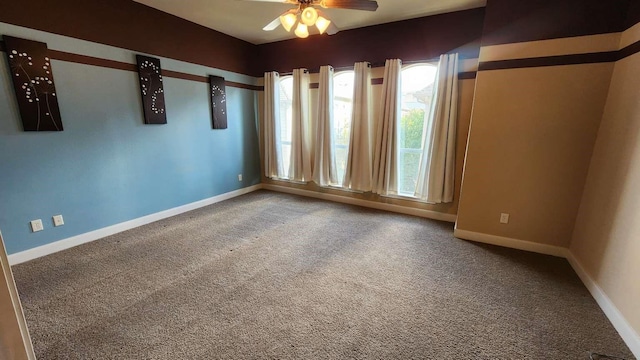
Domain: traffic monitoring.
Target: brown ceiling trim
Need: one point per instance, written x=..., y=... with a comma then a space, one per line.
x=119, y=65
x=576, y=59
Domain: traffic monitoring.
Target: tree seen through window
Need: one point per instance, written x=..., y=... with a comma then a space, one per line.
x=417, y=93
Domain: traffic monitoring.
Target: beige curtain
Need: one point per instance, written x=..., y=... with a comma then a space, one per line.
x=301, y=143
x=358, y=174
x=271, y=128
x=438, y=160
x=324, y=164
x=385, y=162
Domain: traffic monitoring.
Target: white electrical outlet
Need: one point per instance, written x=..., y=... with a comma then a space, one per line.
x=36, y=225
x=58, y=220
x=504, y=218
x=239, y=177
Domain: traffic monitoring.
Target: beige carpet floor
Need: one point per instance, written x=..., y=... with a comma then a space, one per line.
x=269, y=275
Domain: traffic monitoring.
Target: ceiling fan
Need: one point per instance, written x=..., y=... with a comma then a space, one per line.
x=306, y=15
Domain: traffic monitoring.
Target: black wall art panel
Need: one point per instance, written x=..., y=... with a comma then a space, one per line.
x=218, y=102
x=33, y=83
x=150, y=75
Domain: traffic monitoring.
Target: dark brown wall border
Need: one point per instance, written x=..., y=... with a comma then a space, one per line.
x=205, y=79
x=509, y=21
x=629, y=50
x=118, y=65
x=130, y=25
x=633, y=14
x=574, y=59
x=590, y=58
x=467, y=75
x=410, y=40
x=90, y=60
x=126, y=24
x=244, y=86
x=184, y=76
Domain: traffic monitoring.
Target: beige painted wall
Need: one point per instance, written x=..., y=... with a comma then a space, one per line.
x=530, y=143
x=15, y=343
x=466, y=90
x=606, y=239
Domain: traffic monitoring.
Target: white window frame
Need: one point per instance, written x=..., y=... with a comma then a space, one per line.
x=280, y=143
x=402, y=151
x=344, y=147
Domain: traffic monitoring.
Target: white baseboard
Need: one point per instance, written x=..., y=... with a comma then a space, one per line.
x=626, y=331
x=64, y=244
x=364, y=203
x=511, y=243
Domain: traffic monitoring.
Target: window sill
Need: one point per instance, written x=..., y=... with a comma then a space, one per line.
x=336, y=187
x=407, y=198
x=285, y=180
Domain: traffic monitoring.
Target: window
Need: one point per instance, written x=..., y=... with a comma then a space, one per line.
x=342, y=105
x=285, y=119
x=416, y=95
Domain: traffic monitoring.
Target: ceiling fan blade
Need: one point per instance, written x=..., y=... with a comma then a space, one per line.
x=332, y=29
x=272, y=25
x=368, y=5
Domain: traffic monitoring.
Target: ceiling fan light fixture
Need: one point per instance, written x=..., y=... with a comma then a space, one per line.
x=288, y=20
x=322, y=24
x=308, y=13
x=309, y=16
x=302, y=31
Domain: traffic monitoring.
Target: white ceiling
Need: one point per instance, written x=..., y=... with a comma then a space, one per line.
x=245, y=19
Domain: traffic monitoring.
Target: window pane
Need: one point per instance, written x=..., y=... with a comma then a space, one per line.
x=416, y=95
x=409, y=161
x=342, y=106
x=285, y=151
x=285, y=121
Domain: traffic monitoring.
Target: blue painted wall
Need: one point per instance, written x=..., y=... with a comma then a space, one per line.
x=107, y=167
